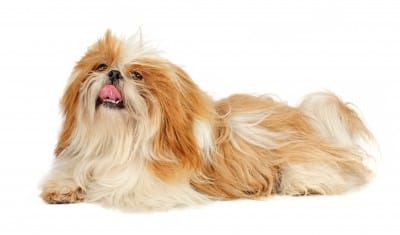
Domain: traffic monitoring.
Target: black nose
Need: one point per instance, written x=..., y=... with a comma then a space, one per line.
x=114, y=75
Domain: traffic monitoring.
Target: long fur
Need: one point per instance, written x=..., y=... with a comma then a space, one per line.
x=172, y=146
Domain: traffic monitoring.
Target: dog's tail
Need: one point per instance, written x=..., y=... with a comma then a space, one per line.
x=336, y=121
x=345, y=141
x=340, y=125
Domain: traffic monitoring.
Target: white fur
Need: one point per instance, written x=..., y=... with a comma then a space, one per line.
x=204, y=137
x=315, y=178
x=109, y=170
x=246, y=126
x=134, y=48
x=325, y=118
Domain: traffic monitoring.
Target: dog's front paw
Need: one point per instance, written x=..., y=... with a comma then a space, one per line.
x=62, y=192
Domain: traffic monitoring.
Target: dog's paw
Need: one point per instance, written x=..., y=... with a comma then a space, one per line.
x=59, y=193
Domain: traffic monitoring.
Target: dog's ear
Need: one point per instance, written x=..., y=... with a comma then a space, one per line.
x=176, y=142
x=69, y=103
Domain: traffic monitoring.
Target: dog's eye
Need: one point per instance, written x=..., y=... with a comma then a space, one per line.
x=136, y=75
x=101, y=67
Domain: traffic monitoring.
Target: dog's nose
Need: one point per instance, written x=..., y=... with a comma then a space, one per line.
x=114, y=75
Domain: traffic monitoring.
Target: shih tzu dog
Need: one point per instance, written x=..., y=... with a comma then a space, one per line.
x=138, y=134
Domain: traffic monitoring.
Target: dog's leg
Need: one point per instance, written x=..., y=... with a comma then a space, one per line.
x=62, y=191
x=324, y=178
x=59, y=186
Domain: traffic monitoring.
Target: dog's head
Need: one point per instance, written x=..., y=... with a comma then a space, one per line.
x=122, y=86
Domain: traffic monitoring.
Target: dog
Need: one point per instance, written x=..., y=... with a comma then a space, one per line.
x=138, y=134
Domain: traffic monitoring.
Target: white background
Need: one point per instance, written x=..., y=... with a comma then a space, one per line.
x=287, y=48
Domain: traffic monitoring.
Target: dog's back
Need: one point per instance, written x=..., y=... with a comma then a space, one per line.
x=266, y=147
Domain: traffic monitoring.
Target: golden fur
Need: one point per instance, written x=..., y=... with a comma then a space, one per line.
x=171, y=145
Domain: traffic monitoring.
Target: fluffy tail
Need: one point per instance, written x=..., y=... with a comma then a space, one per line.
x=343, y=162
x=336, y=121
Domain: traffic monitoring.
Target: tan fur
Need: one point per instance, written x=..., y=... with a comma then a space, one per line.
x=174, y=101
x=244, y=170
x=172, y=146
x=62, y=192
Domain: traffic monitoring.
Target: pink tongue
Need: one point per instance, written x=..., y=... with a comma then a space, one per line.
x=109, y=92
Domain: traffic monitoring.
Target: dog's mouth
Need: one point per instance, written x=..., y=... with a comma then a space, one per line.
x=110, y=97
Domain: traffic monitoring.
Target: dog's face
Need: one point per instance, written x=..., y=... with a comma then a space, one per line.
x=121, y=83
